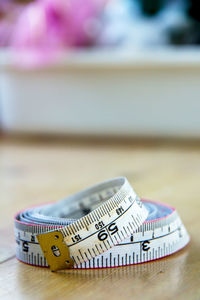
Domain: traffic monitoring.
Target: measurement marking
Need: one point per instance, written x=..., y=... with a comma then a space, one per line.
x=86, y=220
x=29, y=242
x=106, y=207
x=90, y=253
x=97, y=249
x=79, y=224
x=89, y=219
x=109, y=206
x=134, y=222
x=116, y=239
x=64, y=232
x=109, y=244
x=78, y=259
x=122, y=234
x=74, y=259
x=125, y=230
x=100, y=228
x=135, y=229
x=109, y=235
x=98, y=215
x=119, y=236
x=85, y=227
x=158, y=237
x=138, y=222
x=110, y=259
x=103, y=208
x=93, y=262
x=93, y=217
x=68, y=227
x=109, y=214
x=94, y=252
x=104, y=245
x=140, y=251
x=102, y=261
x=80, y=253
x=112, y=205
x=72, y=229
x=85, y=256
x=131, y=226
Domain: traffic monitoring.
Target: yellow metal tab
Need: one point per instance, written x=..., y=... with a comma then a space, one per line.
x=55, y=250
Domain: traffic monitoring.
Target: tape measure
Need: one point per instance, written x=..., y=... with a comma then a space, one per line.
x=106, y=225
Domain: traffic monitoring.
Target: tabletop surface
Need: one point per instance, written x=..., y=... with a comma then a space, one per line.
x=35, y=172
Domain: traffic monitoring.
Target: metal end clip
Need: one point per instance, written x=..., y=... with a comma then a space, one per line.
x=55, y=250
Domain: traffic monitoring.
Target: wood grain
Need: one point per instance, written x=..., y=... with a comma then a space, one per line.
x=36, y=172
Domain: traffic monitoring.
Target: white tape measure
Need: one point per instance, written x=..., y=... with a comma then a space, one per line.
x=103, y=226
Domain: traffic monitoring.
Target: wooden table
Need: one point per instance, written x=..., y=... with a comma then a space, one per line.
x=34, y=172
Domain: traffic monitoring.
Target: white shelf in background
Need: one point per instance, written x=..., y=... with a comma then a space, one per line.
x=105, y=92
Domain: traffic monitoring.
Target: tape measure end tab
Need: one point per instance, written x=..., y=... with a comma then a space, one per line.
x=55, y=250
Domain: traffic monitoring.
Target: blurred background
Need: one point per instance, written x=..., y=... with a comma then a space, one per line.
x=91, y=90
x=100, y=67
x=95, y=89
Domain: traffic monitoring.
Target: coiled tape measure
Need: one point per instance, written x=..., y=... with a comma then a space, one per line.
x=106, y=225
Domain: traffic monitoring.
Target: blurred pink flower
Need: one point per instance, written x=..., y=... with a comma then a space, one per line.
x=9, y=12
x=47, y=26
x=5, y=5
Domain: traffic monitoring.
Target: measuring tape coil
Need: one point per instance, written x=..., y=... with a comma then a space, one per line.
x=106, y=225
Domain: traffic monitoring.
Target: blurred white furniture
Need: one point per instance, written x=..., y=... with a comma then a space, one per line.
x=105, y=92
